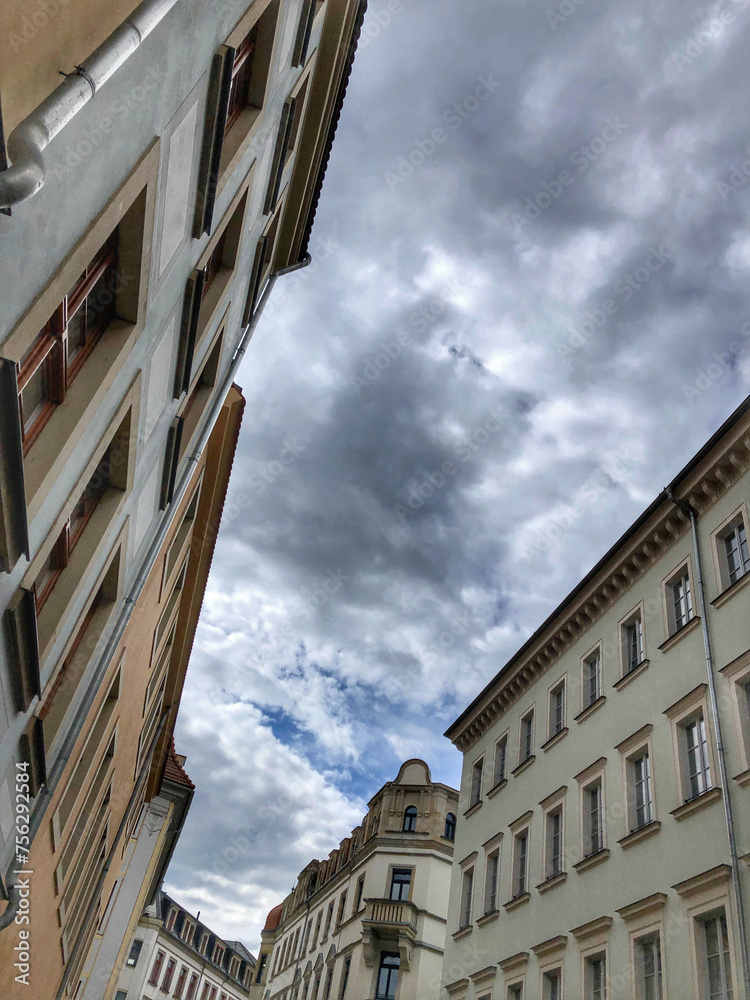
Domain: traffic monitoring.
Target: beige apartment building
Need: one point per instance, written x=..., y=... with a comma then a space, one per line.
x=160, y=167
x=369, y=921
x=604, y=843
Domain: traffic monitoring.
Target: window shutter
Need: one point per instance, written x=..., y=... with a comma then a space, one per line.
x=217, y=104
x=32, y=751
x=302, y=40
x=20, y=628
x=279, y=155
x=171, y=459
x=14, y=534
x=191, y=307
x=255, y=276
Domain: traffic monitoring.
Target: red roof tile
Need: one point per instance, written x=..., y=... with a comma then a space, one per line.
x=174, y=771
x=274, y=918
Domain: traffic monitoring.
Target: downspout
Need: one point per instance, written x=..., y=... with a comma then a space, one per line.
x=688, y=509
x=28, y=140
x=129, y=603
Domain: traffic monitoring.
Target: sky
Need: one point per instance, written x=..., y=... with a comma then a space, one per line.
x=526, y=311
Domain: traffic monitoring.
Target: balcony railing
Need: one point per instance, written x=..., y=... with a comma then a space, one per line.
x=394, y=913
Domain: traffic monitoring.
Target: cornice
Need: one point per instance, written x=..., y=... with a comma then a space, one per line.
x=705, y=481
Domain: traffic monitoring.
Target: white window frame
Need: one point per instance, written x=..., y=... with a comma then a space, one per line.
x=502, y=742
x=552, y=806
x=467, y=900
x=738, y=517
x=592, y=776
x=595, y=653
x=632, y=750
x=675, y=621
x=523, y=740
x=627, y=664
x=553, y=709
x=492, y=850
x=644, y=920
x=477, y=781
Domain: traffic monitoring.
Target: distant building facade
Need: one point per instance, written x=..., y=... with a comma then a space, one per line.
x=173, y=954
x=369, y=921
x=148, y=202
x=594, y=858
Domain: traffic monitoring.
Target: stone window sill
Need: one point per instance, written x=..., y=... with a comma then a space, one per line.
x=642, y=833
x=590, y=709
x=550, y=883
x=706, y=798
x=517, y=901
x=496, y=788
x=631, y=676
x=731, y=590
x=488, y=918
x=592, y=860
x=554, y=740
x=472, y=809
x=523, y=765
x=680, y=633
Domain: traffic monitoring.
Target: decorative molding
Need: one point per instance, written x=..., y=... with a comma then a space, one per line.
x=707, y=798
x=635, y=738
x=590, y=709
x=550, y=883
x=696, y=695
x=592, y=860
x=631, y=675
x=711, y=879
x=514, y=963
x=681, y=632
x=593, y=928
x=553, y=944
x=523, y=765
x=517, y=901
x=648, y=906
x=553, y=740
x=591, y=770
x=702, y=487
x=642, y=833
x=550, y=799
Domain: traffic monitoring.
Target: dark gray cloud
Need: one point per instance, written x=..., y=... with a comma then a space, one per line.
x=526, y=313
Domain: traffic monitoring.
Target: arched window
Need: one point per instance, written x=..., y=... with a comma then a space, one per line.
x=410, y=819
x=450, y=827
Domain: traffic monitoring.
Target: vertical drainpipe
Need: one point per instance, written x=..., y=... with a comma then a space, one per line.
x=688, y=509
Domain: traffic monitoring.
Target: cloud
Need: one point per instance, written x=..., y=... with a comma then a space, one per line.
x=363, y=593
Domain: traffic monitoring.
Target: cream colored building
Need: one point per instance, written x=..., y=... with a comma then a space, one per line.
x=594, y=857
x=370, y=920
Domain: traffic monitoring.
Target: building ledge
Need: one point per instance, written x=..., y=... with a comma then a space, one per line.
x=642, y=833
x=592, y=860
x=473, y=809
x=743, y=778
x=496, y=788
x=631, y=675
x=517, y=901
x=725, y=595
x=590, y=709
x=550, y=883
x=706, y=798
x=462, y=932
x=680, y=634
x=523, y=765
x=487, y=918
x=553, y=740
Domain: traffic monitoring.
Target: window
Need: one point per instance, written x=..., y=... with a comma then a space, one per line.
x=520, y=863
x=213, y=264
x=450, y=827
x=219, y=954
x=640, y=790
x=121, y=995
x=156, y=968
x=734, y=555
x=360, y=891
x=467, y=889
x=400, y=883
x=592, y=679
x=304, y=28
x=135, y=952
x=595, y=983
x=283, y=139
x=317, y=929
x=551, y=985
x=168, y=975
x=329, y=916
x=345, y=977
x=410, y=819
x=527, y=738
x=501, y=761
x=593, y=816
x=192, y=987
x=204, y=991
x=717, y=965
x=515, y=992
x=648, y=967
x=679, y=601
x=387, y=976
x=476, y=781
x=490, y=881
x=203, y=946
x=186, y=934
x=178, y=990
x=242, y=71
x=554, y=835
x=71, y=532
x=261, y=967
x=53, y=360
x=342, y=908
x=698, y=769
x=557, y=709
x=329, y=980
x=632, y=644
x=171, y=917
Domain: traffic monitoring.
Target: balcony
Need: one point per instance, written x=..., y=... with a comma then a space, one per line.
x=391, y=923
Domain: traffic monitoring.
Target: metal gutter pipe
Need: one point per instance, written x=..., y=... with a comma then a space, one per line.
x=129, y=603
x=28, y=140
x=688, y=509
